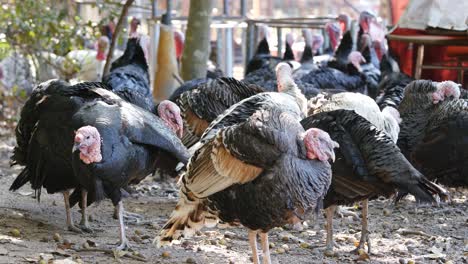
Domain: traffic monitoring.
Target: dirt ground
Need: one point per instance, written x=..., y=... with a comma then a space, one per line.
x=401, y=235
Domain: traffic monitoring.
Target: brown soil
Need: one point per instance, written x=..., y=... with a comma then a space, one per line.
x=437, y=234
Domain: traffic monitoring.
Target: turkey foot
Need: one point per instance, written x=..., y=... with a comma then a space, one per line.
x=84, y=224
x=75, y=229
x=330, y=243
x=70, y=225
x=123, y=239
x=364, y=230
x=343, y=212
x=124, y=245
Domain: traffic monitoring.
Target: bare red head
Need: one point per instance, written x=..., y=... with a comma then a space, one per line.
x=344, y=21
x=179, y=40
x=169, y=112
x=319, y=145
x=317, y=42
x=88, y=142
x=134, y=26
x=445, y=89
x=365, y=18
x=356, y=58
x=102, y=46
x=334, y=33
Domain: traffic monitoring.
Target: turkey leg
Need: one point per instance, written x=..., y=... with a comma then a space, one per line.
x=253, y=245
x=265, y=248
x=84, y=224
x=343, y=212
x=364, y=229
x=329, y=244
x=129, y=217
x=70, y=225
x=123, y=239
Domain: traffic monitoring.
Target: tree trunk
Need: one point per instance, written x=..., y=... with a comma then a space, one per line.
x=197, y=40
x=117, y=30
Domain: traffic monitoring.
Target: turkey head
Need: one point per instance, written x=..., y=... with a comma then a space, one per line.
x=445, y=89
x=319, y=145
x=88, y=142
x=334, y=32
x=356, y=58
x=170, y=113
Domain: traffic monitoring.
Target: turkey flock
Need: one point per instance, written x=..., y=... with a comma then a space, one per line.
x=290, y=139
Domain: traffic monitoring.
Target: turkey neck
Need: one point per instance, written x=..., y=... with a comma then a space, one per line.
x=294, y=91
x=415, y=111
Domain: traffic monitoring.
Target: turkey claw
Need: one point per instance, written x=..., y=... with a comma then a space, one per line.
x=75, y=229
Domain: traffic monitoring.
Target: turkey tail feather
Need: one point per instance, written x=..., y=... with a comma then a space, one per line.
x=425, y=191
x=187, y=218
x=20, y=180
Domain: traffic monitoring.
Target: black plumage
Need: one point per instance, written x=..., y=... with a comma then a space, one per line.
x=288, y=52
x=261, y=135
x=392, y=83
x=252, y=168
x=434, y=135
x=340, y=58
x=330, y=78
x=186, y=86
x=129, y=77
x=262, y=58
x=44, y=136
x=371, y=71
x=206, y=101
x=134, y=143
x=368, y=165
x=264, y=77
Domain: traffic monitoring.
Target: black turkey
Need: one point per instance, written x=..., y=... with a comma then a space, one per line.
x=256, y=166
x=368, y=165
x=262, y=58
x=202, y=104
x=134, y=143
x=369, y=69
x=434, y=133
x=392, y=83
x=307, y=58
x=340, y=58
x=288, y=52
x=44, y=137
x=129, y=77
x=330, y=78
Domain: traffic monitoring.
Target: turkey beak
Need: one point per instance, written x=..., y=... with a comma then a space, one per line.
x=331, y=154
x=76, y=147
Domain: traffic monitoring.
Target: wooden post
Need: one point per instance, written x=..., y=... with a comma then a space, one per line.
x=419, y=62
x=197, y=40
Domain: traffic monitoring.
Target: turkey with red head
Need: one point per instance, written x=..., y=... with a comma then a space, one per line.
x=114, y=143
x=256, y=166
x=368, y=165
x=434, y=130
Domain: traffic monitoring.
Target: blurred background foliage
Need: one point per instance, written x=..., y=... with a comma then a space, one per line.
x=37, y=28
